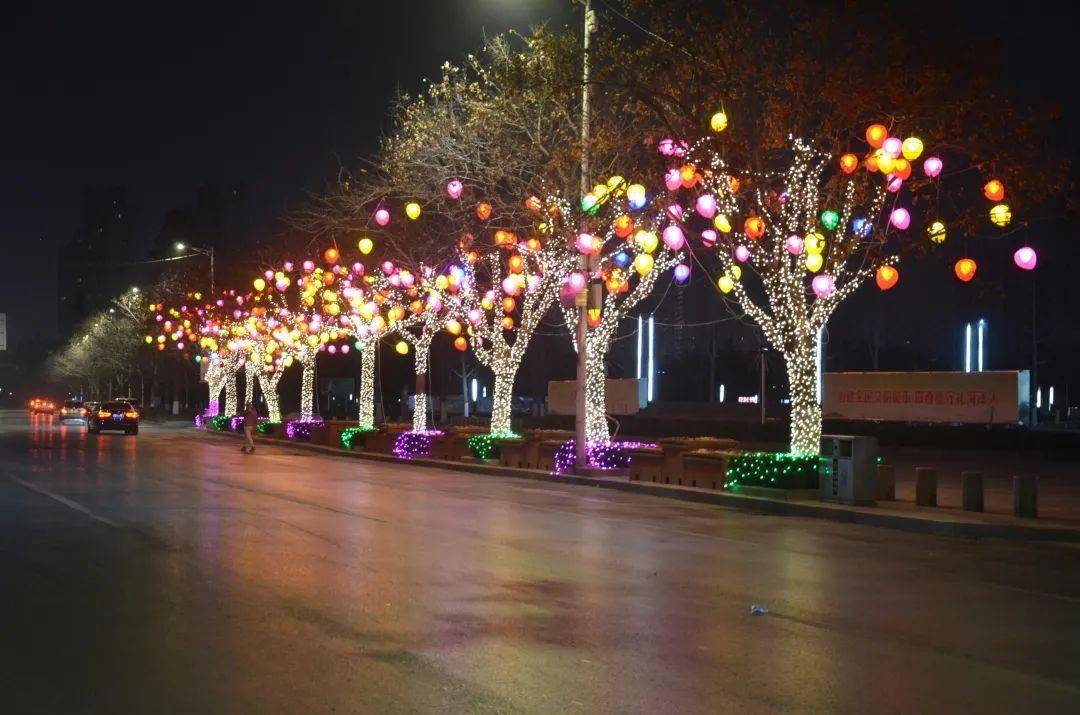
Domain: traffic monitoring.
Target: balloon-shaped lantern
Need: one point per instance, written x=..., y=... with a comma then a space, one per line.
x=1025, y=258
x=382, y=217
x=454, y=189
x=965, y=269
x=886, y=277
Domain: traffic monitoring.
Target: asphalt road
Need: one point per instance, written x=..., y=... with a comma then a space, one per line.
x=170, y=573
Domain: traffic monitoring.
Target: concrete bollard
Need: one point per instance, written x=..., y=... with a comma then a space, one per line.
x=925, y=486
x=1026, y=496
x=971, y=487
x=886, y=482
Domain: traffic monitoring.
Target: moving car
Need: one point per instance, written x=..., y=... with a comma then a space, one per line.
x=114, y=415
x=72, y=410
x=41, y=406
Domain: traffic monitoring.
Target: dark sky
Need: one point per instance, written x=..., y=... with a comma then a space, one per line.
x=164, y=97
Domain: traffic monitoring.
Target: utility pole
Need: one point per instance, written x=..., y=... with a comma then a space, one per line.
x=585, y=299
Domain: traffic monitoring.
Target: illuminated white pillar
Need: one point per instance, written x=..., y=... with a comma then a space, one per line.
x=982, y=329
x=652, y=335
x=967, y=347
x=722, y=391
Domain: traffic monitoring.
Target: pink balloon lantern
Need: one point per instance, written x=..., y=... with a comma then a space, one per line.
x=281, y=285
x=1026, y=258
x=932, y=166
x=674, y=238
x=823, y=285
x=900, y=218
x=742, y=254
x=673, y=180
x=794, y=245
x=387, y=267
x=475, y=316
x=407, y=279
x=675, y=211
x=309, y=266
x=288, y=266
x=332, y=349
x=454, y=189
x=706, y=205
x=708, y=237
x=345, y=349
x=269, y=274
x=588, y=244
x=682, y=273
x=511, y=286
x=358, y=268
x=895, y=184
x=382, y=217
x=893, y=146
x=576, y=282
x=395, y=280
x=666, y=146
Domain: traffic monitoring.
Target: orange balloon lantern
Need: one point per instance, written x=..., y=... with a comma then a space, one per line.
x=871, y=163
x=876, y=134
x=483, y=211
x=965, y=269
x=849, y=163
x=624, y=226
x=688, y=174
x=533, y=204
x=507, y=323
x=754, y=227
x=331, y=255
x=508, y=304
x=515, y=263
x=994, y=190
x=886, y=277
x=902, y=168
x=461, y=343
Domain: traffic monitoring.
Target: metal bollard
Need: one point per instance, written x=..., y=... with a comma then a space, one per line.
x=886, y=482
x=925, y=486
x=1026, y=496
x=971, y=487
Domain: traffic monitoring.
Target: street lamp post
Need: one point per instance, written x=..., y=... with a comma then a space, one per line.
x=208, y=252
x=585, y=299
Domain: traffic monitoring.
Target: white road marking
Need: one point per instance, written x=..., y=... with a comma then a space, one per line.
x=66, y=502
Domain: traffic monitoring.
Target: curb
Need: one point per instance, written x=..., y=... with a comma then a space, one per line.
x=761, y=505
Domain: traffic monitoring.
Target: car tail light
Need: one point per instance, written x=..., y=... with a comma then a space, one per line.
x=103, y=415
x=131, y=414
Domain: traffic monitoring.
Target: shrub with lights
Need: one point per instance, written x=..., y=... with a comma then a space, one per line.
x=775, y=470
x=221, y=422
x=300, y=430
x=606, y=456
x=415, y=443
x=267, y=426
x=355, y=436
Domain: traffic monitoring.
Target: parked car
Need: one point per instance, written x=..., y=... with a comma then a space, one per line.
x=42, y=406
x=114, y=415
x=72, y=410
x=134, y=402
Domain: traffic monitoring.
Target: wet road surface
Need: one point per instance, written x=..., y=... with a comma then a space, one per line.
x=170, y=573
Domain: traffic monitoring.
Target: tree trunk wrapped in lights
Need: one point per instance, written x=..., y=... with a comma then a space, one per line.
x=535, y=286
x=421, y=358
x=307, y=385
x=616, y=307
x=215, y=380
x=251, y=369
x=366, y=400
x=268, y=383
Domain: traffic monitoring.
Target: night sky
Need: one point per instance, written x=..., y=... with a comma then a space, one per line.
x=162, y=98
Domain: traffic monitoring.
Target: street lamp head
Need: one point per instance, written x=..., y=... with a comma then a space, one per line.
x=134, y=289
x=180, y=246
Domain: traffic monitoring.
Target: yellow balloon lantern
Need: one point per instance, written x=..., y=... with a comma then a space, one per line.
x=936, y=232
x=814, y=243
x=412, y=210
x=365, y=245
x=643, y=263
x=725, y=284
x=718, y=122
x=260, y=284
x=402, y=347
x=814, y=261
x=722, y=223
x=646, y=241
x=1001, y=215
x=734, y=271
x=912, y=148
x=453, y=327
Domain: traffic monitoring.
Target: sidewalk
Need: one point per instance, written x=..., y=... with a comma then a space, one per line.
x=902, y=515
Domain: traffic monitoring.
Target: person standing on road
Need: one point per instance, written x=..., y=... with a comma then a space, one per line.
x=251, y=418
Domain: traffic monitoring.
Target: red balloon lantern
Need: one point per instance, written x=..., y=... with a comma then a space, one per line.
x=886, y=277
x=965, y=269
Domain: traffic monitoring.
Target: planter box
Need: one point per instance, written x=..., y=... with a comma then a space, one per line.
x=513, y=452
x=383, y=441
x=647, y=464
x=455, y=445
x=546, y=454
x=705, y=469
x=771, y=493
x=674, y=449
x=533, y=439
